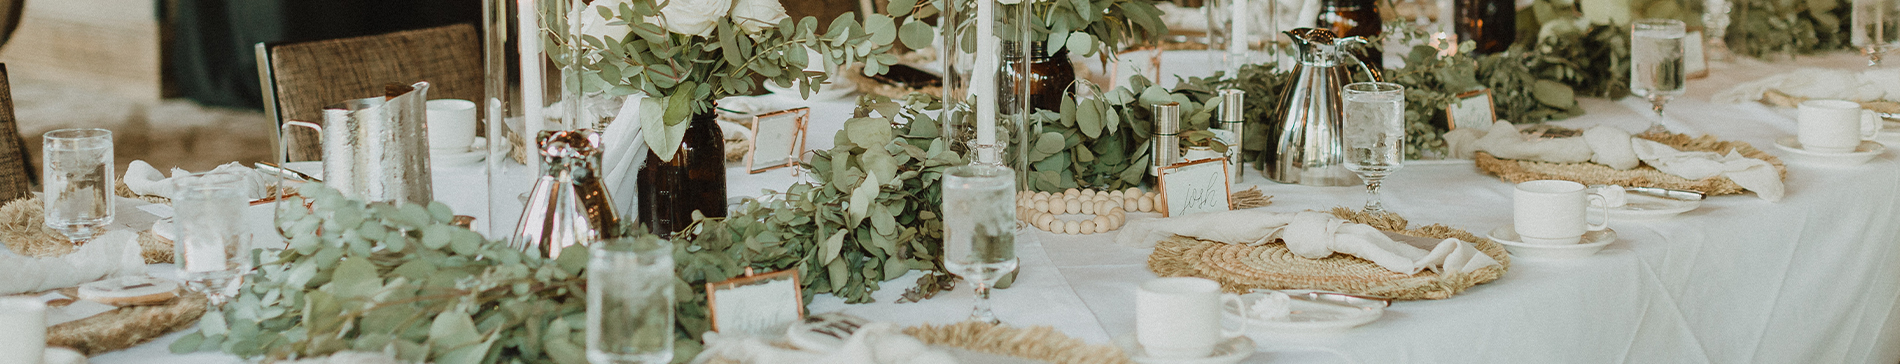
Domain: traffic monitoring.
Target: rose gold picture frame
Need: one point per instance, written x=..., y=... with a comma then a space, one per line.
x=1164, y=172
x=1491, y=107
x=794, y=119
x=794, y=297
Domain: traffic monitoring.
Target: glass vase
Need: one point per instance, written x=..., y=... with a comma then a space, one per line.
x=694, y=180
x=985, y=107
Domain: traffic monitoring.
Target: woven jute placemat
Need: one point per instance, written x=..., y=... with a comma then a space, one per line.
x=1039, y=343
x=1241, y=268
x=23, y=229
x=1517, y=171
x=127, y=326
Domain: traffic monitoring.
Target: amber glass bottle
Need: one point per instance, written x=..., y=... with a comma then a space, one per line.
x=694, y=180
x=1354, y=18
x=1049, y=75
x=1492, y=24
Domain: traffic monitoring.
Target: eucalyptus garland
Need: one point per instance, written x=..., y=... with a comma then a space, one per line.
x=1101, y=141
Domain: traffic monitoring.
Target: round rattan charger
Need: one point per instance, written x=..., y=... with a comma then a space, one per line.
x=23, y=229
x=1517, y=171
x=1241, y=268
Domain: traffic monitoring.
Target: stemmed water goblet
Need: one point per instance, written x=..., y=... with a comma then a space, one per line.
x=1374, y=134
x=1656, y=65
x=979, y=229
x=77, y=174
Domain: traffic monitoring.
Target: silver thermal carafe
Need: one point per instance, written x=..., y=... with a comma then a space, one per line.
x=1304, y=144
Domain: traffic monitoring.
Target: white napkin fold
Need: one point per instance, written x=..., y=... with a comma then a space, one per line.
x=626, y=151
x=143, y=179
x=112, y=254
x=1752, y=174
x=1311, y=235
x=1820, y=83
x=875, y=343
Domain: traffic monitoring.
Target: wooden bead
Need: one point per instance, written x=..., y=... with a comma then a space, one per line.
x=1117, y=194
x=1103, y=223
x=1115, y=203
x=1129, y=203
x=1132, y=192
x=1043, y=220
x=1072, y=192
x=1147, y=204
x=1087, y=208
x=1041, y=205
x=1088, y=227
x=1043, y=195
x=1115, y=220
x=1074, y=206
x=1071, y=227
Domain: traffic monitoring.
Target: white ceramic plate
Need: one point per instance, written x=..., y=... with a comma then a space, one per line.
x=1593, y=241
x=1644, y=207
x=1229, y=351
x=1867, y=151
x=1308, y=316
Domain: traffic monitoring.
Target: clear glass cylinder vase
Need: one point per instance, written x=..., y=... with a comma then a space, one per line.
x=530, y=79
x=985, y=105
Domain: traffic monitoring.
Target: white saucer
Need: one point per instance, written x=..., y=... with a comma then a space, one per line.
x=1227, y=352
x=1644, y=207
x=1867, y=151
x=1593, y=241
x=445, y=159
x=1309, y=316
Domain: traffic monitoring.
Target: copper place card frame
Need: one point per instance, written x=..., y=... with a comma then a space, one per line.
x=786, y=124
x=1223, y=183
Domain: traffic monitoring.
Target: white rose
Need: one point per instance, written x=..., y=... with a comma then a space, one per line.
x=595, y=25
x=756, y=15
x=693, y=17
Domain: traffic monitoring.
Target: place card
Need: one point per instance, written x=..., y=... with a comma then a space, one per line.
x=778, y=138
x=1198, y=186
x=1472, y=110
x=759, y=305
x=1695, y=60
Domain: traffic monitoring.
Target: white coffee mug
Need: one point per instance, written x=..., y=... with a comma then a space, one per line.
x=451, y=125
x=1834, y=126
x=1180, y=317
x=1554, y=212
x=22, y=330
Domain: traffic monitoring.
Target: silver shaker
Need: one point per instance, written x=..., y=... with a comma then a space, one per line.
x=1167, y=142
x=1234, y=123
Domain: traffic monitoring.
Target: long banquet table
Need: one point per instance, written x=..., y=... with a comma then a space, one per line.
x=1813, y=278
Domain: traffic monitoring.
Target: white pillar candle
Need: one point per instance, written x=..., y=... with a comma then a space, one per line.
x=983, y=81
x=1239, y=36
x=22, y=330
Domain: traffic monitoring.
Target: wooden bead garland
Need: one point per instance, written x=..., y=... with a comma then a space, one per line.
x=1109, y=209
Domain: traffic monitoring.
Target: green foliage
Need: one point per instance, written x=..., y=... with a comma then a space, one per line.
x=1102, y=141
x=399, y=279
x=689, y=72
x=1762, y=28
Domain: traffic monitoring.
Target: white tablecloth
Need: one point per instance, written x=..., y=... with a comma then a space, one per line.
x=1811, y=279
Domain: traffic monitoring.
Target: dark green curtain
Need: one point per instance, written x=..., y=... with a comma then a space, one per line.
x=210, y=45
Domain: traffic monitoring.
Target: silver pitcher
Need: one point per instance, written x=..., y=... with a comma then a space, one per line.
x=1305, y=148
x=568, y=205
x=376, y=149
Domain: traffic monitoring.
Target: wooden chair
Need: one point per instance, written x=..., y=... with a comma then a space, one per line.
x=300, y=78
x=16, y=170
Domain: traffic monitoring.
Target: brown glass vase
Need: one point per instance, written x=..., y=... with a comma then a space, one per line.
x=694, y=180
x=1049, y=75
x=1348, y=18
x=1490, y=24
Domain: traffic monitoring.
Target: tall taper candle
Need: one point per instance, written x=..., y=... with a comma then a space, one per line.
x=1239, y=36
x=532, y=78
x=22, y=330
x=983, y=83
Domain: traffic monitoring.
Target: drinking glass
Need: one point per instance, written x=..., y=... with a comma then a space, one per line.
x=979, y=229
x=77, y=172
x=211, y=247
x=630, y=301
x=1874, y=28
x=1656, y=69
x=1375, y=134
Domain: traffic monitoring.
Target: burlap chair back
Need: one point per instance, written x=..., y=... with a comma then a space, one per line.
x=16, y=171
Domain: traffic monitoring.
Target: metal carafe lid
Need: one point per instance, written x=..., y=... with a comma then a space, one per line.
x=1320, y=47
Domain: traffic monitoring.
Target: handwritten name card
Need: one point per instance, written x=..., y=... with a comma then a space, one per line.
x=777, y=139
x=1191, y=187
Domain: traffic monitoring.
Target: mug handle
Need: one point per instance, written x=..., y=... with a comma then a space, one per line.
x=1600, y=204
x=1227, y=298
x=1870, y=125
